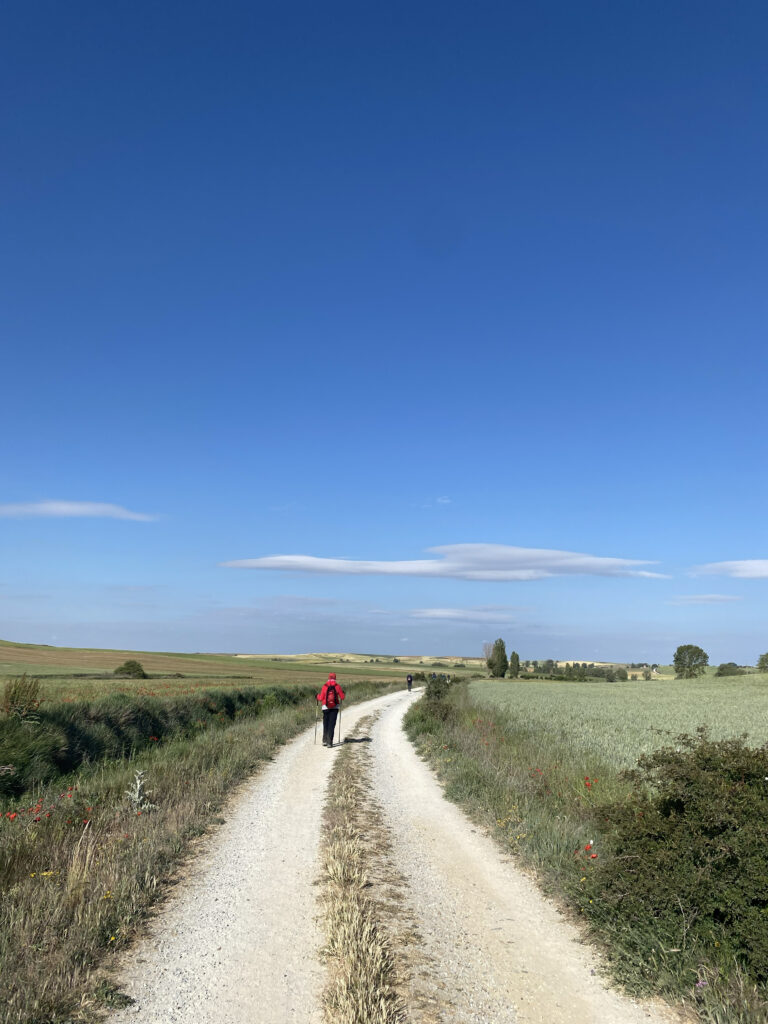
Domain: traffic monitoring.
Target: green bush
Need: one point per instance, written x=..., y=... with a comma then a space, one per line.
x=729, y=668
x=681, y=887
x=131, y=668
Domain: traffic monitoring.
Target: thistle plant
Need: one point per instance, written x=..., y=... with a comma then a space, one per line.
x=137, y=794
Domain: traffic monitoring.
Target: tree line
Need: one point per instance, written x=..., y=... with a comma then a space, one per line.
x=689, y=661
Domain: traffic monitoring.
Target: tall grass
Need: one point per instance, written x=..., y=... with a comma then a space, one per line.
x=80, y=866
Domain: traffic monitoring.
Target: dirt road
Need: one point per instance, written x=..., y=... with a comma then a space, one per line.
x=238, y=943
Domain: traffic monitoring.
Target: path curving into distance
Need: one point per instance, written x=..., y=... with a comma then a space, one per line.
x=238, y=942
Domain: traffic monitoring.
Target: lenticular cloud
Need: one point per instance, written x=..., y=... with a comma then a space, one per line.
x=490, y=562
x=71, y=509
x=745, y=569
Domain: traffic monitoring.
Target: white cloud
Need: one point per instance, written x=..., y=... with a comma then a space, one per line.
x=443, y=500
x=704, y=598
x=747, y=569
x=491, y=562
x=497, y=614
x=72, y=509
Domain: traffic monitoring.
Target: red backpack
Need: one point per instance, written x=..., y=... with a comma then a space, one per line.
x=331, y=696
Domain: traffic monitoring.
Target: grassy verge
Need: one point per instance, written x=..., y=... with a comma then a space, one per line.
x=362, y=986
x=670, y=885
x=82, y=865
x=60, y=737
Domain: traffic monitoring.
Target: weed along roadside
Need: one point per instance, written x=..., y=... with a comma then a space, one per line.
x=665, y=865
x=85, y=855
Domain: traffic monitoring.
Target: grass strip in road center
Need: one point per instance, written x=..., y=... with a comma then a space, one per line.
x=362, y=981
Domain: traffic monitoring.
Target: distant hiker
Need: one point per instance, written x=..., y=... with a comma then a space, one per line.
x=330, y=697
x=409, y=680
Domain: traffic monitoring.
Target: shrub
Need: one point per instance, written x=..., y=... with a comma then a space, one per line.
x=133, y=669
x=762, y=663
x=729, y=668
x=683, y=872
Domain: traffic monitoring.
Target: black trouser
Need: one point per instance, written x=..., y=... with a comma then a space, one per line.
x=329, y=724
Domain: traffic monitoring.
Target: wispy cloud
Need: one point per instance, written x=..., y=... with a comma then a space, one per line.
x=746, y=569
x=494, y=614
x=704, y=598
x=443, y=500
x=72, y=509
x=491, y=562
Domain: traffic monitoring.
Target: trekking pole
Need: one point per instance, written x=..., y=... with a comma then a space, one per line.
x=316, y=707
x=340, y=722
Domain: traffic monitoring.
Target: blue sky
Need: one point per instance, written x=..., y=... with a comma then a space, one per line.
x=355, y=284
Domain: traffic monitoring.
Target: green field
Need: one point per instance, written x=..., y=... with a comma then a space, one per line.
x=616, y=722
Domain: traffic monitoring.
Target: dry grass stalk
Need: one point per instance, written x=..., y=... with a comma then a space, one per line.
x=362, y=986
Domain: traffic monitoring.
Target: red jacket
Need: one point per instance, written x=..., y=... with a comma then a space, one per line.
x=339, y=691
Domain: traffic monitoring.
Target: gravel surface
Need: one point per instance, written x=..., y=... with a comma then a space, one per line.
x=238, y=941
x=500, y=952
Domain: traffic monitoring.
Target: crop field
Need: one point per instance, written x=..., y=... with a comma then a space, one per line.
x=85, y=673
x=616, y=722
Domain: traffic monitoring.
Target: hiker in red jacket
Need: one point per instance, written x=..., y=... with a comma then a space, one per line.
x=330, y=697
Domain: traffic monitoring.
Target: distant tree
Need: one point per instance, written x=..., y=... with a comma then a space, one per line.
x=548, y=666
x=535, y=664
x=610, y=675
x=497, y=662
x=647, y=675
x=514, y=665
x=131, y=668
x=762, y=663
x=689, y=661
x=621, y=674
x=729, y=668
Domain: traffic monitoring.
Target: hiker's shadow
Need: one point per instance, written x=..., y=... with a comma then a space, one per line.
x=357, y=739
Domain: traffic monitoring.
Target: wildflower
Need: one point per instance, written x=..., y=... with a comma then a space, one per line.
x=111, y=938
x=583, y=879
x=11, y=815
x=588, y=847
x=593, y=856
x=701, y=983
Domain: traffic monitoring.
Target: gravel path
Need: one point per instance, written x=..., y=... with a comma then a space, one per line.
x=501, y=952
x=238, y=941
